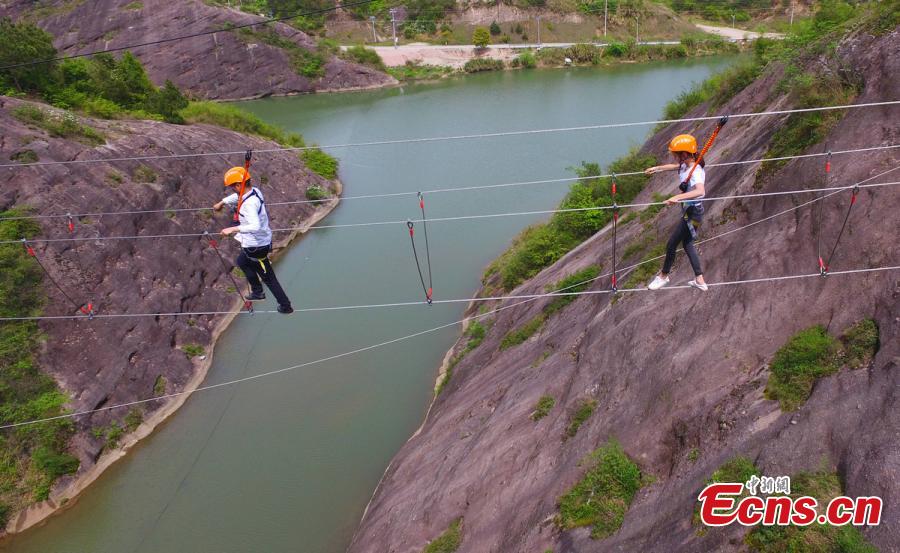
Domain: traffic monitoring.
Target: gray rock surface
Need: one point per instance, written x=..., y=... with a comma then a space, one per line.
x=677, y=370
x=112, y=361
x=219, y=66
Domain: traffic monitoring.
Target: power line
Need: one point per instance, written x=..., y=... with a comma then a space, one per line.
x=382, y=344
x=191, y=35
x=835, y=190
x=457, y=137
x=452, y=218
x=438, y=190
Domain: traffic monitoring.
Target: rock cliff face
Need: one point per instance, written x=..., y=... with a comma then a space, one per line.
x=677, y=376
x=112, y=361
x=232, y=66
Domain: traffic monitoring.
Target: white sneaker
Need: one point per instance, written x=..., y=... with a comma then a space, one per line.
x=703, y=287
x=658, y=282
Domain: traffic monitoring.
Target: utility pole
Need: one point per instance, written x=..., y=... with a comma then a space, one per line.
x=792, y=14
x=637, y=30
x=394, y=25
x=732, y=21
x=605, y=14
x=539, y=31
x=374, y=35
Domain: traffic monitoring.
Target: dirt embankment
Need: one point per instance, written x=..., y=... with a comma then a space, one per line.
x=677, y=376
x=219, y=66
x=113, y=361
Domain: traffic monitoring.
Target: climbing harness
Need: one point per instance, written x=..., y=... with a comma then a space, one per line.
x=706, y=147
x=237, y=212
x=688, y=211
x=615, y=210
x=85, y=309
x=411, y=226
x=214, y=244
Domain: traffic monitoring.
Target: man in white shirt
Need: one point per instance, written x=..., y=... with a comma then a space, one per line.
x=255, y=237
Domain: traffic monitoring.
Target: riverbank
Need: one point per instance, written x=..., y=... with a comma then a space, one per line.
x=67, y=496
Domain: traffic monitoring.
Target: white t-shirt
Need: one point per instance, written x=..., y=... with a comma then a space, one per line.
x=698, y=177
x=253, y=230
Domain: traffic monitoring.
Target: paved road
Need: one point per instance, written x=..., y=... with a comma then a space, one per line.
x=736, y=34
x=456, y=55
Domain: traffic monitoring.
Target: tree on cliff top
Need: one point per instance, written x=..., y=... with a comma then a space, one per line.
x=20, y=43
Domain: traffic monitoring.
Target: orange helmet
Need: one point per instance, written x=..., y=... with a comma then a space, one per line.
x=235, y=175
x=683, y=143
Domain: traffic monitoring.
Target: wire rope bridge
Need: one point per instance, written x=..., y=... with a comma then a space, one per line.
x=86, y=310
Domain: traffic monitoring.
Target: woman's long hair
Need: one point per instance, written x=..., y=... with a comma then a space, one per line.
x=694, y=156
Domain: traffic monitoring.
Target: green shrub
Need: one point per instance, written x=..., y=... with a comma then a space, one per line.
x=113, y=434
x=477, y=65
x=144, y=174
x=602, y=497
x=133, y=419
x=494, y=28
x=449, y=541
x=802, y=130
x=576, y=282
x=736, y=469
x=820, y=538
x=365, y=56
x=192, y=350
x=582, y=413
x=481, y=37
x=320, y=163
x=159, y=386
x=523, y=333
x=550, y=57
x=59, y=123
x=525, y=60
x=860, y=343
x=25, y=156
x=236, y=119
x=416, y=71
x=616, y=49
x=53, y=463
x=305, y=62
x=543, y=407
x=717, y=89
x=316, y=193
x=583, y=53
x=541, y=245
x=807, y=356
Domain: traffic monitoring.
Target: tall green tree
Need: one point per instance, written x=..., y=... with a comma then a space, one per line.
x=168, y=102
x=481, y=37
x=21, y=43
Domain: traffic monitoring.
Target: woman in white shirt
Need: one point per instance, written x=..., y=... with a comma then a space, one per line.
x=255, y=238
x=692, y=181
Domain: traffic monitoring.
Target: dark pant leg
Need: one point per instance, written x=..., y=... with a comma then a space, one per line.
x=691, y=252
x=258, y=258
x=677, y=237
x=249, y=266
x=267, y=273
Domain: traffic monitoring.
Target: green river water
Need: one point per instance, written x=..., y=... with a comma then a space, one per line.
x=288, y=462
